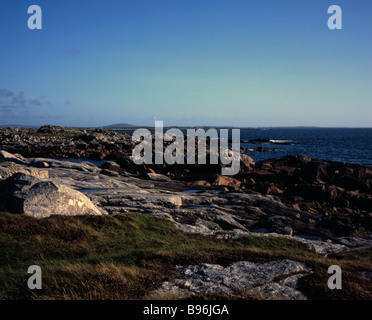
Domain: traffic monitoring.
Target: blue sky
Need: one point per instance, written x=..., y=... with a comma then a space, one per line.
x=186, y=62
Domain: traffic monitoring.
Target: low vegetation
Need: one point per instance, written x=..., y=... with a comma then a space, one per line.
x=125, y=257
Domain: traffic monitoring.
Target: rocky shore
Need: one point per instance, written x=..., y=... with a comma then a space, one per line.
x=59, y=142
x=325, y=205
x=316, y=197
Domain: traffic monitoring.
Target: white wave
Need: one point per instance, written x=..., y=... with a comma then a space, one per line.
x=281, y=141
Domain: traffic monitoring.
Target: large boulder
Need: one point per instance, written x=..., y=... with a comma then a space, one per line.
x=227, y=181
x=110, y=165
x=246, y=164
x=50, y=129
x=28, y=195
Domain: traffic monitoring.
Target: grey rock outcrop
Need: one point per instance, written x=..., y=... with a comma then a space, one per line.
x=243, y=277
x=10, y=168
x=26, y=194
x=7, y=156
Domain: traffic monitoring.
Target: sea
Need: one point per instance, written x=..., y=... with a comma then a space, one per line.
x=350, y=145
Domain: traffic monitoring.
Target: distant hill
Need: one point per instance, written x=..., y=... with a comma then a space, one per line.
x=119, y=125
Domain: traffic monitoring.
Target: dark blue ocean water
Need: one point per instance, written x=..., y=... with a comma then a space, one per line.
x=352, y=145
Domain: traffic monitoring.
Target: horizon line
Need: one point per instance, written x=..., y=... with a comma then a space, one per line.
x=132, y=126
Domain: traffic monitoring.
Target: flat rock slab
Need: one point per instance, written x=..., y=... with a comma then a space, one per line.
x=9, y=168
x=243, y=277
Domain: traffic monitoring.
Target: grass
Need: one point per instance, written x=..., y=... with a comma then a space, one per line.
x=126, y=257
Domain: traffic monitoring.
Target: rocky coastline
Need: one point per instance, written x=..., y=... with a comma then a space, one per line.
x=325, y=205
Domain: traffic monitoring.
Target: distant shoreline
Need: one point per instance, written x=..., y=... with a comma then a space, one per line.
x=134, y=127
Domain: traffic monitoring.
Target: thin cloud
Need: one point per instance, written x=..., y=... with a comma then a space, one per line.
x=9, y=100
x=19, y=99
x=13, y=114
x=8, y=107
x=35, y=102
x=4, y=93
